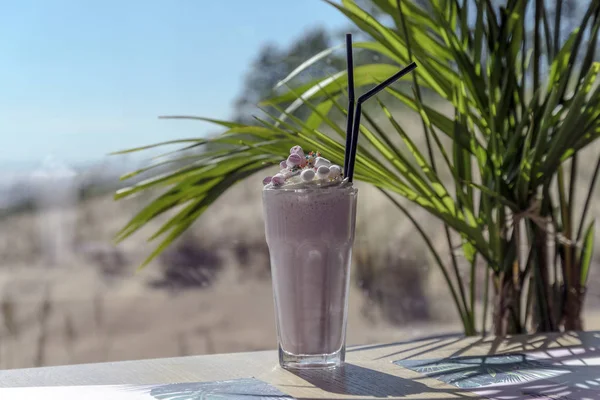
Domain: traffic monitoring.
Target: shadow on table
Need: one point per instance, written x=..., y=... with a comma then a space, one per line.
x=550, y=372
x=420, y=348
x=354, y=380
x=502, y=369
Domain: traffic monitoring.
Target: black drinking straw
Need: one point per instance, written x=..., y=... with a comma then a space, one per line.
x=350, y=117
x=351, y=155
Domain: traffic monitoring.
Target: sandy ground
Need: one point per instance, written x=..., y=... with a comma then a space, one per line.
x=91, y=322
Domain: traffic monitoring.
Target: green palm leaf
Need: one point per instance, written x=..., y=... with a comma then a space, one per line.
x=512, y=132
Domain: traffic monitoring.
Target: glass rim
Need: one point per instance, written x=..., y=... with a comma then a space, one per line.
x=328, y=189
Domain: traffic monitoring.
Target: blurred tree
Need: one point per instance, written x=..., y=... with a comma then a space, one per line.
x=273, y=64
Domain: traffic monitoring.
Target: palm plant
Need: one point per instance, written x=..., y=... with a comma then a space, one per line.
x=525, y=103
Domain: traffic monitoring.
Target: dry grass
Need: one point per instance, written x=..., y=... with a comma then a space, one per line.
x=94, y=307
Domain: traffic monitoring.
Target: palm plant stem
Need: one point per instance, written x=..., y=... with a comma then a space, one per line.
x=486, y=300
x=572, y=194
x=557, y=25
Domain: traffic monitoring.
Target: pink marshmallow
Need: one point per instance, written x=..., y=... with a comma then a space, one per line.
x=297, y=150
x=295, y=159
x=278, y=180
x=283, y=165
x=267, y=180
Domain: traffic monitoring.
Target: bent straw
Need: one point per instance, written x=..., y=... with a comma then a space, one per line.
x=350, y=117
x=356, y=123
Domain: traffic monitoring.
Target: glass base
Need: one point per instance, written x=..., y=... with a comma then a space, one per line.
x=311, y=361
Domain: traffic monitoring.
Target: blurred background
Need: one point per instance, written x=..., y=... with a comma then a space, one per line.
x=82, y=79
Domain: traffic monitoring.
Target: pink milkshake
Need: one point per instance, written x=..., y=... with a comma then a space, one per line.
x=309, y=221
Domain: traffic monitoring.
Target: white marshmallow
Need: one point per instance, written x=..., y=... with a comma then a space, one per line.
x=335, y=171
x=322, y=172
x=320, y=161
x=307, y=175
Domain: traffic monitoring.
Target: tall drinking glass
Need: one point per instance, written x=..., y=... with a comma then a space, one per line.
x=310, y=233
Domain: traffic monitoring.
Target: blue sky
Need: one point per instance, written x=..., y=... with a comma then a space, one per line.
x=79, y=79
